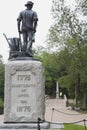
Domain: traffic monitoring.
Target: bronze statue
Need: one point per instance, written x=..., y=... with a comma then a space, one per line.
x=27, y=23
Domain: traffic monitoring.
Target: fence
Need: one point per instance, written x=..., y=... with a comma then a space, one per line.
x=71, y=123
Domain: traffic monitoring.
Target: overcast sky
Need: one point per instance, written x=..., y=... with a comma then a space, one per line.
x=9, y=11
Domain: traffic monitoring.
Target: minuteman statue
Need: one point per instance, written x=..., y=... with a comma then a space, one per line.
x=27, y=23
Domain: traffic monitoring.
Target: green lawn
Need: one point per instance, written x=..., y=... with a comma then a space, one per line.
x=74, y=127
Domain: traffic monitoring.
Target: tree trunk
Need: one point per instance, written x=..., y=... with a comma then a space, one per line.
x=85, y=100
x=76, y=95
x=77, y=89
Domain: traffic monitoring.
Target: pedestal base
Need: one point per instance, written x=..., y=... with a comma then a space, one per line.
x=30, y=126
x=20, y=126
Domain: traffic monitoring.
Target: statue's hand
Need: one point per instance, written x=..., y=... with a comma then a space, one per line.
x=19, y=31
x=34, y=30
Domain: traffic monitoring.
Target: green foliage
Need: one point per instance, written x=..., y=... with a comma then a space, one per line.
x=50, y=72
x=1, y=78
x=82, y=6
x=1, y=103
x=1, y=106
x=1, y=85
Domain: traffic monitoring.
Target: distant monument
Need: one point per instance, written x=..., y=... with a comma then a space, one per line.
x=57, y=91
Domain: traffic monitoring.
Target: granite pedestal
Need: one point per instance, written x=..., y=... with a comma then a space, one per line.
x=24, y=91
x=24, y=94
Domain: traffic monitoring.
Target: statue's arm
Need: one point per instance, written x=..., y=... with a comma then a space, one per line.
x=35, y=25
x=18, y=25
x=19, y=19
x=35, y=20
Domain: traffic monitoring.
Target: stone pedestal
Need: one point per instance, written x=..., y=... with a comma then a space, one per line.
x=25, y=96
x=24, y=91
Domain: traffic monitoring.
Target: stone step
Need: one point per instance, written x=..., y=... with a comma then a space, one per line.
x=29, y=126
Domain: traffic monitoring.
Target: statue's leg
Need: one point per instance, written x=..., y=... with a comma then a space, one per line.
x=24, y=47
x=31, y=39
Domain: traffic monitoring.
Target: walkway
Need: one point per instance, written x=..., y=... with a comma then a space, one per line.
x=68, y=115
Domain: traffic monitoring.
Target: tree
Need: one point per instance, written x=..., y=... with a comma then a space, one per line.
x=50, y=72
x=55, y=65
x=68, y=31
x=82, y=6
x=1, y=78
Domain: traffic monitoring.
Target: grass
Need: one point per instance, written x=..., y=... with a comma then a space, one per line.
x=83, y=112
x=74, y=127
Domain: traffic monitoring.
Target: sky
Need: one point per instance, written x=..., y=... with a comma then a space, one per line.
x=9, y=11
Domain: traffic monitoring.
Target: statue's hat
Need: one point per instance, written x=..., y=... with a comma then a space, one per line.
x=29, y=3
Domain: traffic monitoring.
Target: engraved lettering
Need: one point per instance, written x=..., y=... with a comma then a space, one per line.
x=23, y=77
x=23, y=90
x=23, y=95
x=23, y=101
x=22, y=85
x=23, y=109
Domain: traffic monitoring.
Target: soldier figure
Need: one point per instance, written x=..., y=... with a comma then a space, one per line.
x=27, y=23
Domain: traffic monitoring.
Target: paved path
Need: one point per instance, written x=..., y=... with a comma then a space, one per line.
x=1, y=118
x=56, y=116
